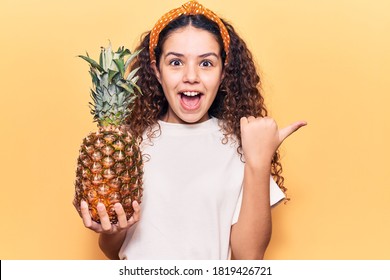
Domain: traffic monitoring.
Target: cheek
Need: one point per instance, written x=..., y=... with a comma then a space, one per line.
x=170, y=80
x=213, y=81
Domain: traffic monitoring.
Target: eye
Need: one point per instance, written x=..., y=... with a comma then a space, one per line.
x=175, y=62
x=206, y=63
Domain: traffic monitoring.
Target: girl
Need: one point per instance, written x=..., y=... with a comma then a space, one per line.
x=210, y=150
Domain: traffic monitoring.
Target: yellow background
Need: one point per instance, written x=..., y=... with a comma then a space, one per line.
x=327, y=62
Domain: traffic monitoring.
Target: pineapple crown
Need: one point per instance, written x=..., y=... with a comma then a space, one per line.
x=114, y=90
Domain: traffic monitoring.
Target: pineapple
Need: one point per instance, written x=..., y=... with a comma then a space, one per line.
x=109, y=166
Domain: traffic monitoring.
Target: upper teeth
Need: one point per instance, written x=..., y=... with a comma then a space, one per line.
x=190, y=93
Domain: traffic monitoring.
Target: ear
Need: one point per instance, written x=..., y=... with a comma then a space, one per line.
x=156, y=71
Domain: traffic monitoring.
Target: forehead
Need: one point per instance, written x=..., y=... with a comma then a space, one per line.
x=191, y=39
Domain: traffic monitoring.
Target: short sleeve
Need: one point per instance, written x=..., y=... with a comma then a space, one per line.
x=276, y=195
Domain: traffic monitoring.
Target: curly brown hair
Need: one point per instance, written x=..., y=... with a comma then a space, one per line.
x=239, y=94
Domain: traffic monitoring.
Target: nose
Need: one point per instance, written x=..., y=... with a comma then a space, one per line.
x=191, y=74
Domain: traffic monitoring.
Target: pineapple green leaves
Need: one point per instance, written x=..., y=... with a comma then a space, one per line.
x=114, y=91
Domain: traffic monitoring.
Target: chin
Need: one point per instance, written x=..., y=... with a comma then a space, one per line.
x=192, y=119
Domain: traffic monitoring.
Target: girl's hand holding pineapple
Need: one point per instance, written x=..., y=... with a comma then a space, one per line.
x=105, y=225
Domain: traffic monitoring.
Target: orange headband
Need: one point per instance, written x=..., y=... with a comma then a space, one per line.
x=189, y=8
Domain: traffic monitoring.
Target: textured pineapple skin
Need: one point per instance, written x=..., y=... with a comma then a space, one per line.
x=109, y=170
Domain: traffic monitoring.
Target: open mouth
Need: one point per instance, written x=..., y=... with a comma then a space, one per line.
x=190, y=100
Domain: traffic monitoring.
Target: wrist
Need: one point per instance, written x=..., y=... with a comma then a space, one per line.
x=259, y=166
x=113, y=234
x=257, y=174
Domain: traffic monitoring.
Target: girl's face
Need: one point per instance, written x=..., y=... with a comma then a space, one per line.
x=190, y=72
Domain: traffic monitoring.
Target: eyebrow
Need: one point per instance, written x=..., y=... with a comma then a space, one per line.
x=202, y=55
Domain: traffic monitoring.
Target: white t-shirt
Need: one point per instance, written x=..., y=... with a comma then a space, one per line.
x=192, y=195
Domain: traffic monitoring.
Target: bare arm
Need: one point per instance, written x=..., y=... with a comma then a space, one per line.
x=261, y=138
x=252, y=232
x=111, y=235
x=110, y=244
